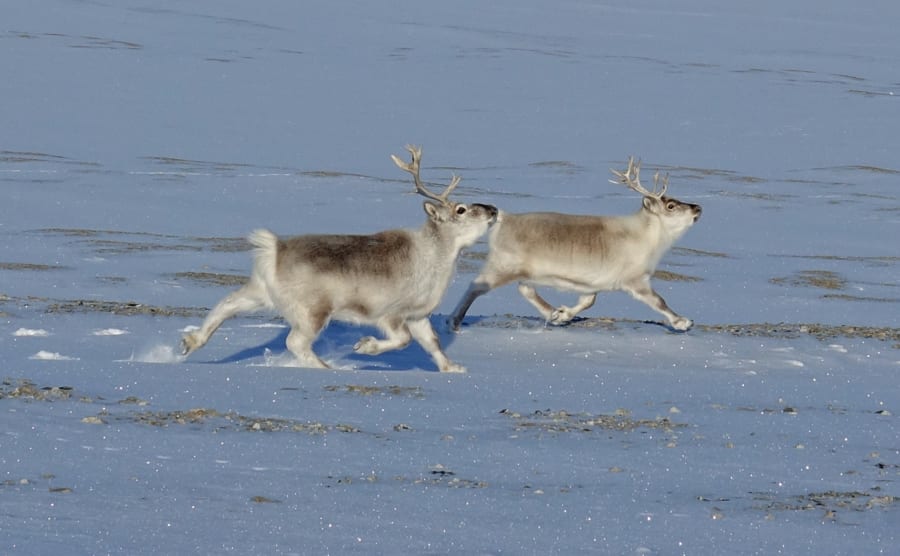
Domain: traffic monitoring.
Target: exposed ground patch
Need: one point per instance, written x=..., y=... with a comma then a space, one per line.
x=824, y=279
x=26, y=390
x=220, y=421
x=669, y=276
x=116, y=242
x=211, y=278
x=885, y=260
x=212, y=419
x=562, y=421
x=818, y=331
x=436, y=475
x=366, y=390
x=122, y=308
x=33, y=267
x=830, y=505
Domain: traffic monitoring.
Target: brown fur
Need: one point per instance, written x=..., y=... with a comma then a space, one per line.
x=378, y=255
x=565, y=237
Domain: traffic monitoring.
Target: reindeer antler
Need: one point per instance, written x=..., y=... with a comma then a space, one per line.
x=631, y=177
x=413, y=168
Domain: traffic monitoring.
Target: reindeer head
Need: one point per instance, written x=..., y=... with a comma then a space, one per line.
x=675, y=215
x=465, y=222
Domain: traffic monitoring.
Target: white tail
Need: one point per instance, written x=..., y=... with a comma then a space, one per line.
x=265, y=241
x=393, y=280
x=265, y=253
x=585, y=254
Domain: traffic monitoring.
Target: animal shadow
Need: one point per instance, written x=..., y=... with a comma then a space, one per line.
x=336, y=342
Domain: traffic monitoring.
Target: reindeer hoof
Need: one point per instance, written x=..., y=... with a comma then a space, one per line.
x=561, y=316
x=367, y=345
x=682, y=324
x=454, y=368
x=451, y=324
x=189, y=344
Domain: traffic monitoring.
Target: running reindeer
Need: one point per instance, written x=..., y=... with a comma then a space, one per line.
x=393, y=279
x=585, y=254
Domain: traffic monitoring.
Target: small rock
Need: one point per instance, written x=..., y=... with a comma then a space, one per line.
x=264, y=500
x=880, y=501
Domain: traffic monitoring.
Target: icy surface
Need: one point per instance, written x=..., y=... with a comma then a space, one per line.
x=141, y=141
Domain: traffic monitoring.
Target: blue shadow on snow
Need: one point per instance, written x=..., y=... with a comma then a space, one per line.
x=338, y=339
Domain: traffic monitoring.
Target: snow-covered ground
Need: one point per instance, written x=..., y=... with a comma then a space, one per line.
x=142, y=140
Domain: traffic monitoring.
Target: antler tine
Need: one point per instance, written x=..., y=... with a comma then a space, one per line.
x=631, y=178
x=657, y=191
x=413, y=168
x=454, y=181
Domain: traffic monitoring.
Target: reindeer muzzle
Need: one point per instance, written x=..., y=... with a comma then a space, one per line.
x=697, y=210
x=490, y=209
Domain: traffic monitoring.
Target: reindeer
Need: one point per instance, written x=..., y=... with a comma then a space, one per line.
x=392, y=279
x=585, y=254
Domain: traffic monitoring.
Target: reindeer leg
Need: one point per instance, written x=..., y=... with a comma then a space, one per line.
x=643, y=291
x=251, y=297
x=397, y=338
x=486, y=281
x=530, y=294
x=306, y=325
x=476, y=289
x=423, y=332
x=565, y=314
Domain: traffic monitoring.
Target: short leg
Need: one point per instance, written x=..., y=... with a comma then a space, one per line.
x=251, y=297
x=485, y=282
x=476, y=289
x=397, y=337
x=529, y=293
x=565, y=314
x=423, y=332
x=305, y=328
x=299, y=343
x=642, y=291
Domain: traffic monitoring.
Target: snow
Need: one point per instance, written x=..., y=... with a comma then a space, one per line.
x=142, y=141
x=31, y=332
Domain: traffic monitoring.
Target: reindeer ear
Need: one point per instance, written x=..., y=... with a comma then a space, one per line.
x=433, y=211
x=648, y=203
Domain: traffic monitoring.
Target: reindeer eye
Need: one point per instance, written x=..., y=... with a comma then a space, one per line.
x=460, y=210
x=670, y=205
